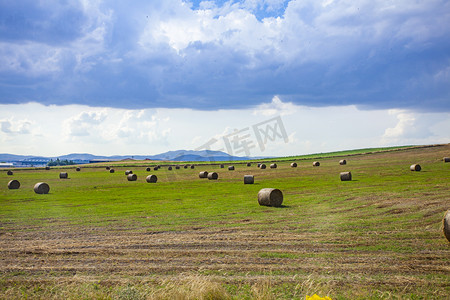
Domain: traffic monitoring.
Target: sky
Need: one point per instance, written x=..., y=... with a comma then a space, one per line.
x=145, y=77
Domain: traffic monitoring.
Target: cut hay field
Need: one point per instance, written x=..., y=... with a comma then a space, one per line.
x=98, y=236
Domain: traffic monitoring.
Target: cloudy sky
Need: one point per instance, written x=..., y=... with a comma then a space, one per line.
x=144, y=77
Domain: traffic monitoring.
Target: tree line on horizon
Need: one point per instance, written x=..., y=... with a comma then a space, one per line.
x=59, y=162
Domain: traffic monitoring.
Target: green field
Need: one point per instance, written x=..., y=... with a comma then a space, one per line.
x=98, y=236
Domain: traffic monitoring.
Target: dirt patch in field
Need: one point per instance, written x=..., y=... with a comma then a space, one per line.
x=232, y=253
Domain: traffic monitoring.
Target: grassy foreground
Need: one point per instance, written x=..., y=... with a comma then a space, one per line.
x=98, y=236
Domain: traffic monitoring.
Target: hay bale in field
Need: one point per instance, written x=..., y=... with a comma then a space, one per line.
x=177, y=167
x=446, y=159
x=78, y=169
x=270, y=197
x=258, y=165
x=148, y=169
x=41, y=188
x=273, y=166
x=213, y=176
x=151, y=178
x=231, y=168
x=107, y=168
x=249, y=164
x=169, y=168
x=316, y=164
x=63, y=175
x=346, y=176
x=293, y=165
x=192, y=166
x=222, y=166
x=186, y=166
x=446, y=225
x=132, y=177
x=128, y=172
x=111, y=170
x=415, y=167
x=249, y=179
x=203, y=174
x=10, y=172
x=155, y=168
x=13, y=184
x=47, y=168
x=262, y=166
x=342, y=162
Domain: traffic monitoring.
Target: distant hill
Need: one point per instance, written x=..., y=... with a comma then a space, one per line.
x=191, y=155
x=178, y=155
x=13, y=157
x=80, y=156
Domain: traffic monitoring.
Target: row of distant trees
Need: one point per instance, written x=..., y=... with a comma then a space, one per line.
x=59, y=162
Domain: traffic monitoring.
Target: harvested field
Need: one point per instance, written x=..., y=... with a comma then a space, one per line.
x=96, y=236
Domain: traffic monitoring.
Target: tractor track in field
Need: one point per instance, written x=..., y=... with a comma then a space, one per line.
x=102, y=252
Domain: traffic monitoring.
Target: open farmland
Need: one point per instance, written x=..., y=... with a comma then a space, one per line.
x=97, y=235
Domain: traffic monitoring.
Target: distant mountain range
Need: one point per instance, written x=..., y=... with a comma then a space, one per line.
x=179, y=155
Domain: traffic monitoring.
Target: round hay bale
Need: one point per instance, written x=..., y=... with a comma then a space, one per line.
x=155, y=168
x=446, y=159
x=231, y=168
x=316, y=164
x=270, y=197
x=446, y=225
x=132, y=177
x=177, y=167
x=262, y=166
x=186, y=166
x=203, y=174
x=63, y=175
x=107, y=168
x=13, y=184
x=78, y=169
x=222, y=166
x=169, y=168
x=111, y=170
x=342, y=162
x=151, y=178
x=415, y=167
x=249, y=164
x=148, y=169
x=47, y=168
x=258, y=165
x=128, y=172
x=192, y=167
x=9, y=172
x=213, y=176
x=249, y=179
x=273, y=166
x=346, y=176
x=41, y=188
x=293, y=165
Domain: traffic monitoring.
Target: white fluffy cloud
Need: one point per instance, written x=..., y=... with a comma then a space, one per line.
x=11, y=126
x=405, y=125
x=276, y=107
x=108, y=131
x=413, y=128
x=84, y=123
x=142, y=127
x=308, y=30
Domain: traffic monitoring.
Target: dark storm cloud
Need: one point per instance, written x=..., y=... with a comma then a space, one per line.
x=227, y=54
